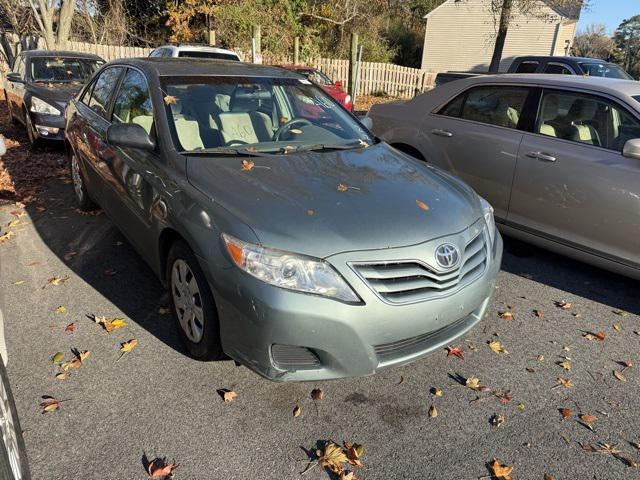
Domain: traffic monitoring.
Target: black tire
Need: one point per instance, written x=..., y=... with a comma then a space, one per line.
x=34, y=141
x=208, y=347
x=19, y=456
x=85, y=203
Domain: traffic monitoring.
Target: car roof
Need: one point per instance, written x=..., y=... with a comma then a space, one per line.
x=195, y=47
x=59, y=53
x=612, y=86
x=297, y=67
x=560, y=58
x=181, y=67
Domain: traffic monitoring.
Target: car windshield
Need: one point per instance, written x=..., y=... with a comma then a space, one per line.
x=256, y=115
x=603, y=69
x=62, y=70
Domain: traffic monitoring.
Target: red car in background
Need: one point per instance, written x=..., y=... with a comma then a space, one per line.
x=334, y=89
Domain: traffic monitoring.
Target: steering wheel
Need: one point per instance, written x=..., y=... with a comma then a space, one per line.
x=287, y=126
x=233, y=143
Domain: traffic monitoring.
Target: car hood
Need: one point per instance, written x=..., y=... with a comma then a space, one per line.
x=60, y=93
x=298, y=202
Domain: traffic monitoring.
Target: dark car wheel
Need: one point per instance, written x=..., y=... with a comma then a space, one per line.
x=13, y=456
x=84, y=200
x=192, y=304
x=34, y=141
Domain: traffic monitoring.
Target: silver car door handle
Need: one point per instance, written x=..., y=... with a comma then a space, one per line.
x=545, y=157
x=441, y=133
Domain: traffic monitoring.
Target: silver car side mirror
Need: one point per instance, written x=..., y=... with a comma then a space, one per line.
x=632, y=148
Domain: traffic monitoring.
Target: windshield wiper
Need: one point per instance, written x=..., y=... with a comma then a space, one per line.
x=225, y=151
x=327, y=146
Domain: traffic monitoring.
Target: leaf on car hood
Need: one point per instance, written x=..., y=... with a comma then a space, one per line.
x=422, y=205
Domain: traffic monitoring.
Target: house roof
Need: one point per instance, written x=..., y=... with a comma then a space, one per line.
x=569, y=9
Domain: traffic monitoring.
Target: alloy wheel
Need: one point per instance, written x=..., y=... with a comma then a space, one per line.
x=187, y=300
x=77, y=178
x=8, y=432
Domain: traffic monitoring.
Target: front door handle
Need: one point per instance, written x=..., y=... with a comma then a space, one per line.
x=545, y=157
x=442, y=133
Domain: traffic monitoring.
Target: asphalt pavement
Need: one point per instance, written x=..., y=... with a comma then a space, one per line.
x=157, y=402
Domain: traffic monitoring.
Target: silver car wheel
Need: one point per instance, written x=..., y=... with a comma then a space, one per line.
x=187, y=300
x=8, y=432
x=77, y=178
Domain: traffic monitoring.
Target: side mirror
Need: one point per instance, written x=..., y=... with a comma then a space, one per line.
x=632, y=149
x=129, y=135
x=367, y=122
x=338, y=83
x=14, y=77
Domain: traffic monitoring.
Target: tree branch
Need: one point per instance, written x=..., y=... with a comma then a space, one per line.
x=330, y=20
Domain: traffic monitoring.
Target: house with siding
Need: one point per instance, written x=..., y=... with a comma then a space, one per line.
x=460, y=34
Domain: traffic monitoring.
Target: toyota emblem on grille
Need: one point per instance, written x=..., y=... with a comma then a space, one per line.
x=447, y=255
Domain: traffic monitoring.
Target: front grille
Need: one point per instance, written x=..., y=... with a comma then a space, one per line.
x=293, y=357
x=414, y=281
x=391, y=350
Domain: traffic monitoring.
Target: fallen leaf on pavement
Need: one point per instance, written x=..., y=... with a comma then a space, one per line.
x=347, y=475
x=619, y=376
x=617, y=327
x=497, y=347
x=621, y=313
x=58, y=357
x=227, y=395
x=600, y=336
x=563, y=382
x=433, y=411
x=566, y=413
x=354, y=452
x=163, y=310
x=504, y=397
x=109, y=324
x=422, y=205
x=61, y=309
x=158, y=467
x=436, y=392
x=549, y=477
x=506, y=315
x=70, y=328
x=564, y=305
x=501, y=472
x=497, y=420
x=317, y=394
x=6, y=236
x=566, y=364
x=56, y=280
x=474, y=384
x=19, y=282
x=588, y=419
x=537, y=313
x=297, y=411
x=332, y=457
x=126, y=347
x=456, y=352
x=49, y=404
x=62, y=375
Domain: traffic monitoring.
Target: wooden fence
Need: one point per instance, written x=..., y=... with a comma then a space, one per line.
x=374, y=78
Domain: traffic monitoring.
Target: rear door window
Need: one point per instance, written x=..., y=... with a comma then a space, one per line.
x=558, y=69
x=103, y=89
x=527, y=67
x=494, y=105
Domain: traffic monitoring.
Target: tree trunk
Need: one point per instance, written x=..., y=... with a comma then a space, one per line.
x=64, y=22
x=505, y=17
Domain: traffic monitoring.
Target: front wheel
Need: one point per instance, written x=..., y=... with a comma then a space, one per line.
x=34, y=141
x=12, y=117
x=192, y=304
x=13, y=455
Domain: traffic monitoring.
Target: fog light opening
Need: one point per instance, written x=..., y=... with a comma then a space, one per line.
x=44, y=130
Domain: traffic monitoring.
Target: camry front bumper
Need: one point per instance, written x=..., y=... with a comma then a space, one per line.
x=48, y=127
x=289, y=336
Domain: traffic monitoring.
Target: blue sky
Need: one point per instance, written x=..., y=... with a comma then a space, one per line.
x=609, y=12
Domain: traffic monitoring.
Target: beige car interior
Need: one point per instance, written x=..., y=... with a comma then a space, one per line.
x=205, y=119
x=578, y=123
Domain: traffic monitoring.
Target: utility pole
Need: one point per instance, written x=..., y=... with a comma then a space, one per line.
x=353, y=62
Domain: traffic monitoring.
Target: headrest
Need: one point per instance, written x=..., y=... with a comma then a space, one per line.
x=246, y=99
x=582, y=110
x=551, y=107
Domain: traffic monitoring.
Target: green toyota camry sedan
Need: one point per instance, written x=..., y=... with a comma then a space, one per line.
x=289, y=237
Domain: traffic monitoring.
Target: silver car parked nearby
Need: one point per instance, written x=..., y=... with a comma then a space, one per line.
x=558, y=157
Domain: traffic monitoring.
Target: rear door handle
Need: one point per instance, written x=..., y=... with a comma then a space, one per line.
x=545, y=157
x=442, y=133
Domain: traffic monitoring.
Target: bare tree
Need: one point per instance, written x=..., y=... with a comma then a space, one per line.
x=53, y=19
x=594, y=42
x=504, y=9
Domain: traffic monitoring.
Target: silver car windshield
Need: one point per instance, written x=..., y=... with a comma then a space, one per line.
x=235, y=115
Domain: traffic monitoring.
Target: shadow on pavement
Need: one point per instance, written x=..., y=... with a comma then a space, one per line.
x=571, y=276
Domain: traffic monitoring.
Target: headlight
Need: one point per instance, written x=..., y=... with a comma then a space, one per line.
x=40, y=106
x=288, y=270
x=487, y=211
x=347, y=99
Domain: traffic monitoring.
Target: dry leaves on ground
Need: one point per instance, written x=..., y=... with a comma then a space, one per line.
x=159, y=468
x=455, y=351
x=109, y=324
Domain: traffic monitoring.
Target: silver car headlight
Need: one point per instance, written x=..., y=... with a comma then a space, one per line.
x=288, y=270
x=487, y=212
x=40, y=106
